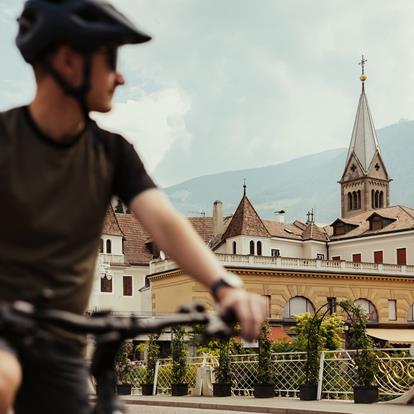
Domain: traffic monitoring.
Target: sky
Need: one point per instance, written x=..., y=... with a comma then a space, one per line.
x=235, y=84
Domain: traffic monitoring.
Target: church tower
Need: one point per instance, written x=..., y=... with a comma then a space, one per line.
x=365, y=181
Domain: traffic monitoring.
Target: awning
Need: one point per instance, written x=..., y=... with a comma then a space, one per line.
x=393, y=336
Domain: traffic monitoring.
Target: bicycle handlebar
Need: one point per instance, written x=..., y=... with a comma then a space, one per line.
x=25, y=316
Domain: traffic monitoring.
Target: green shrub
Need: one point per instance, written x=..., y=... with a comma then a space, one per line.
x=223, y=371
x=264, y=372
x=123, y=363
x=179, y=356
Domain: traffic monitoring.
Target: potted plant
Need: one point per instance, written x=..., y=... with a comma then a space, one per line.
x=153, y=353
x=310, y=327
x=179, y=363
x=264, y=387
x=123, y=367
x=222, y=373
x=365, y=360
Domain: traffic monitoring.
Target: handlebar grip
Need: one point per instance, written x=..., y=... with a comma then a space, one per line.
x=229, y=317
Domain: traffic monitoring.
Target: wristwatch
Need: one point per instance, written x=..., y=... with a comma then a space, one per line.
x=227, y=279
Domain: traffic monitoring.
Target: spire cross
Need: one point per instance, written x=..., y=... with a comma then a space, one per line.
x=244, y=187
x=362, y=63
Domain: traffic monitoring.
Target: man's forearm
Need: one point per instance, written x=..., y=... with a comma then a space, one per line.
x=181, y=242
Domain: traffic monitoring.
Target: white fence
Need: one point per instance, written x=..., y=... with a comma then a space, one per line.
x=337, y=373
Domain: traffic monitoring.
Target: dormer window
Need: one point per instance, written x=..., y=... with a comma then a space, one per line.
x=340, y=227
x=377, y=222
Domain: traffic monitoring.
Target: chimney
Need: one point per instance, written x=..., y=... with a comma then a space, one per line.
x=218, y=224
x=280, y=216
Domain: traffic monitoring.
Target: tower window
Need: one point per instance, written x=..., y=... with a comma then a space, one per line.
x=354, y=201
x=108, y=247
x=252, y=247
x=349, y=201
x=234, y=247
x=259, y=248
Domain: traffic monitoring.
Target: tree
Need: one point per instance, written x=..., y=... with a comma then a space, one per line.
x=119, y=208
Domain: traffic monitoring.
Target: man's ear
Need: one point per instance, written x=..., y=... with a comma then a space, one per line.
x=68, y=63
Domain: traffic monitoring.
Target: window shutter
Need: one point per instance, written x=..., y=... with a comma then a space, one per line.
x=127, y=282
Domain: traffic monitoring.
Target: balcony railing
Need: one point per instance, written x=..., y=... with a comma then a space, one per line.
x=287, y=263
x=113, y=258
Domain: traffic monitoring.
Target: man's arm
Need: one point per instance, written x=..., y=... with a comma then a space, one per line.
x=175, y=235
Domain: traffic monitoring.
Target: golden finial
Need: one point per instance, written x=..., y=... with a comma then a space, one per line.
x=363, y=77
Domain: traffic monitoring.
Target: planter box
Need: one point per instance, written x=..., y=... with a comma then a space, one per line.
x=264, y=391
x=221, y=390
x=123, y=389
x=177, y=390
x=147, y=389
x=308, y=392
x=365, y=395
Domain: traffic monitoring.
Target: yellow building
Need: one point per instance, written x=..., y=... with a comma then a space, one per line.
x=366, y=255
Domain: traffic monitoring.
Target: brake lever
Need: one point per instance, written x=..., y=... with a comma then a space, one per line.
x=221, y=326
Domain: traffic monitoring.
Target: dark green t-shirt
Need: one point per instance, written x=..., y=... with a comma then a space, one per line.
x=54, y=197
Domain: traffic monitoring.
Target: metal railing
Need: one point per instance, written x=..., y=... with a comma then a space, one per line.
x=337, y=375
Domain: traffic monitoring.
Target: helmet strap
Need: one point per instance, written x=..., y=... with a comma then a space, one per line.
x=79, y=93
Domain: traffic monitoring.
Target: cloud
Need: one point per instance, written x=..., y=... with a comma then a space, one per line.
x=258, y=83
x=154, y=123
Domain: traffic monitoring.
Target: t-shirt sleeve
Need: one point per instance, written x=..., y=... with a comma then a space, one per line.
x=130, y=176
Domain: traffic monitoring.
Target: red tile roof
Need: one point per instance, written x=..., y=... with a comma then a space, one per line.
x=403, y=220
x=135, y=249
x=314, y=232
x=246, y=222
x=111, y=225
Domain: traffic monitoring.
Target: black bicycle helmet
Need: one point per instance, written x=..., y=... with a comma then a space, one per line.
x=84, y=24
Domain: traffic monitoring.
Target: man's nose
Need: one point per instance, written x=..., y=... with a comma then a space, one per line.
x=120, y=80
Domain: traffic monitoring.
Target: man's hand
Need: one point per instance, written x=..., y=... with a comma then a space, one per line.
x=249, y=308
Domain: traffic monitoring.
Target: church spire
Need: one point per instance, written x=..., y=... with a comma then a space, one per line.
x=364, y=142
x=365, y=181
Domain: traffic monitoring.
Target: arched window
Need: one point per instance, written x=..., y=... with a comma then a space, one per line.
x=101, y=244
x=376, y=199
x=372, y=198
x=234, y=247
x=381, y=199
x=354, y=201
x=108, y=247
x=369, y=308
x=296, y=306
x=359, y=199
x=259, y=248
x=411, y=313
x=251, y=247
x=349, y=201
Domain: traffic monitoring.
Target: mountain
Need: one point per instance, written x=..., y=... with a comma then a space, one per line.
x=298, y=185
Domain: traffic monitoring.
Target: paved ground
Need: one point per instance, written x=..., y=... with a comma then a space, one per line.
x=201, y=405
x=141, y=409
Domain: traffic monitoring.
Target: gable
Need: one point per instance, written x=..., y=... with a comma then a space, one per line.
x=353, y=169
x=377, y=168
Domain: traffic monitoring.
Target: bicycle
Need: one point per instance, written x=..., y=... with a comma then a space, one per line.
x=110, y=332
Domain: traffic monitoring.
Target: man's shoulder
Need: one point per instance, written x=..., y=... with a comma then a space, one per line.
x=113, y=142
x=10, y=119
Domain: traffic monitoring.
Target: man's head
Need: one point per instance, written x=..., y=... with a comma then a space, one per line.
x=69, y=63
x=75, y=43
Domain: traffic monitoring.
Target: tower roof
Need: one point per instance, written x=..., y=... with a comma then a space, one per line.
x=245, y=221
x=364, y=142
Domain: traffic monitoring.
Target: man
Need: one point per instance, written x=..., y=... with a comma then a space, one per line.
x=58, y=172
